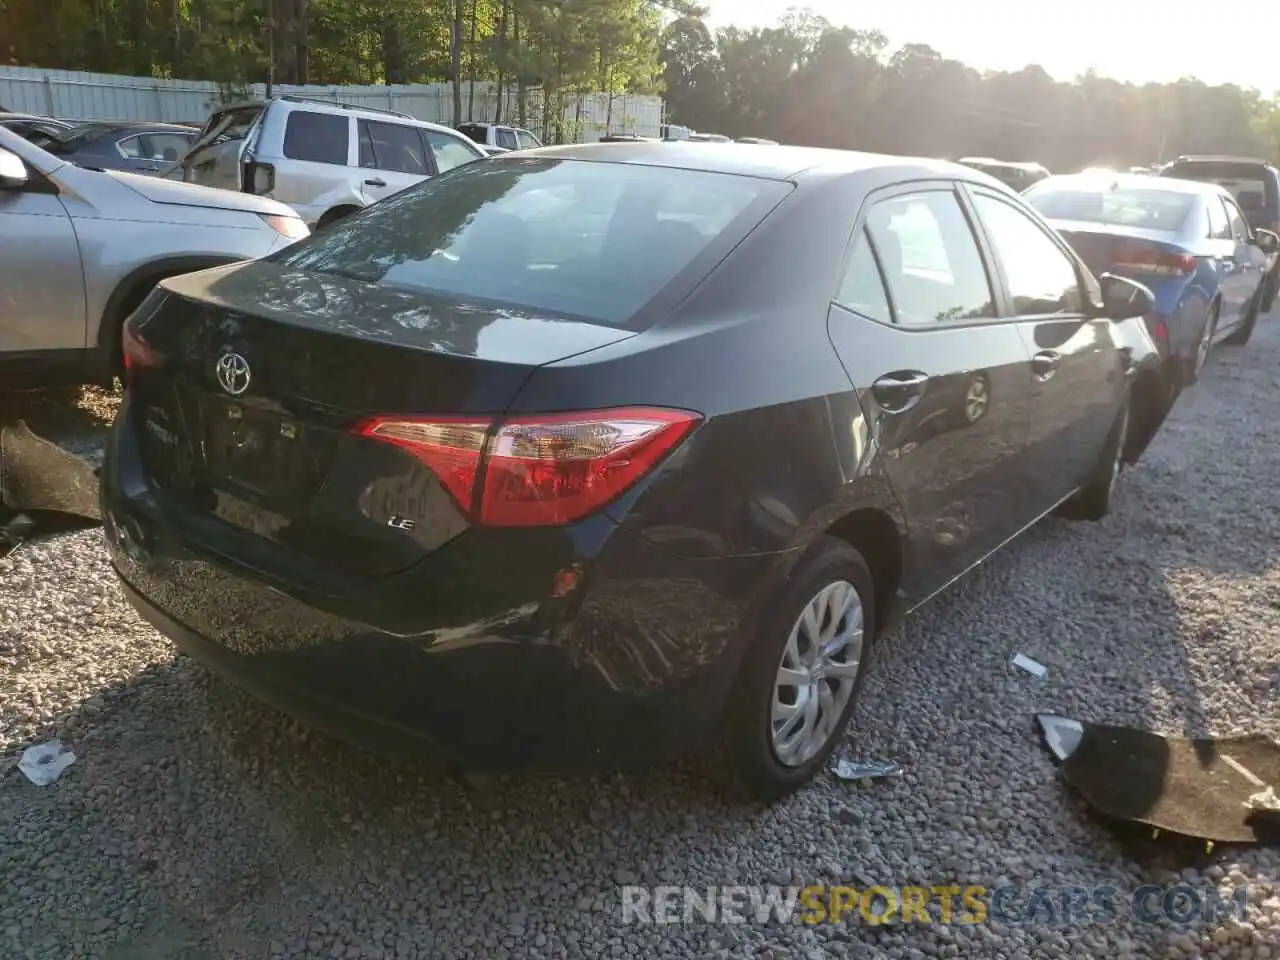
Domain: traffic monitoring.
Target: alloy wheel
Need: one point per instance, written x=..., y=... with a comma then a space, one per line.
x=976, y=400
x=817, y=673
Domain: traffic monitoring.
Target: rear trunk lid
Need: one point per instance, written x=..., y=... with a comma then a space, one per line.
x=270, y=445
x=214, y=159
x=1103, y=247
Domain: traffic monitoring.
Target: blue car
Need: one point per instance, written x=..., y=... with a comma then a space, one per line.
x=131, y=146
x=1188, y=241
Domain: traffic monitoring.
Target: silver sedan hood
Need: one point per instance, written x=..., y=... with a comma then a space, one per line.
x=176, y=193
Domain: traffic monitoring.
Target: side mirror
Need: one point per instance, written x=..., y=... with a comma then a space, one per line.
x=1123, y=298
x=13, y=172
x=1266, y=241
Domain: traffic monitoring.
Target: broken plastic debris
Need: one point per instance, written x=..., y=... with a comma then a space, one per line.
x=1264, y=800
x=43, y=763
x=867, y=769
x=1061, y=734
x=1037, y=670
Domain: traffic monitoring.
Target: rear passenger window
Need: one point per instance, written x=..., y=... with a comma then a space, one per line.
x=393, y=147
x=930, y=258
x=318, y=137
x=1219, y=225
x=507, y=138
x=1239, y=226
x=863, y=288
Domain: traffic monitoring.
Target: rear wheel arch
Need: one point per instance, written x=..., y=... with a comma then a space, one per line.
x=334, y=214
x=129, y=294
x=875, y=535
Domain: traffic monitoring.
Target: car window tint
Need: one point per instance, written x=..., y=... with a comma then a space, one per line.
x=318, y=137
x=567, y=238
x=131, y=147
x=393, y=147
x=449, y=151
x=507, y=138
x=164, y=146
x=862, y=289
x=474, y=132
x=527, y=140
x=1239, y=225
x=1219, y=223
x=930, y=258
x=1042, y=278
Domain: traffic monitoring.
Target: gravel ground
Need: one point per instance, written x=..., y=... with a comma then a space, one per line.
x=197, y=824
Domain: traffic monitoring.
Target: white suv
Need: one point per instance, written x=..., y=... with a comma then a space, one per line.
x=324, y=159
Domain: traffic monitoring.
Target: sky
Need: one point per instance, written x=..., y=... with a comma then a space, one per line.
x=1133, y=40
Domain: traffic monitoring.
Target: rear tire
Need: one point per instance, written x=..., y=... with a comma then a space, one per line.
x=1093, y=502
x=1204, y=344
x=1272, y=289
x=768, y=752
x=333, y=216
x=1242, y=333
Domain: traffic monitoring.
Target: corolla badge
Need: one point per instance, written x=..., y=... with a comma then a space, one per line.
x=233, y=373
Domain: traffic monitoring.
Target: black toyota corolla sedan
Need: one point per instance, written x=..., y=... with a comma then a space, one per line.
x=596, y=454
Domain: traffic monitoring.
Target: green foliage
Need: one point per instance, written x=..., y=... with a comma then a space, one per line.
x=808, y=82
x=802, y=81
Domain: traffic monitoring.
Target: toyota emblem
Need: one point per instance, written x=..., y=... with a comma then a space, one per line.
x=233, y=373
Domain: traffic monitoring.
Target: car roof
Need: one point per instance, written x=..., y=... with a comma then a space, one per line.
x=122, y=125
x=1216, y=158
x=1139, y=181
x=778, y=163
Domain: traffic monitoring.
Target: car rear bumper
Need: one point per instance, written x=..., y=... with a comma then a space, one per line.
x=624, y=656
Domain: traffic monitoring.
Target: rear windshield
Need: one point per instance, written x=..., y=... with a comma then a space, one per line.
x=1253, y=185
x=229, y=125
x=569, y=237
x=1117, y=207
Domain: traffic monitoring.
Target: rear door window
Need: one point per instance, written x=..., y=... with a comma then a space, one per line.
x=507, y=138
x=527, y=140
x=930, y=258
x=393, y=147
x=569, y=238
x=1239, y=224
x=317, y=137
x=1219, y=223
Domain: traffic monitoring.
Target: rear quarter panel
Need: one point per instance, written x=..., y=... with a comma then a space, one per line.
x=784, y=450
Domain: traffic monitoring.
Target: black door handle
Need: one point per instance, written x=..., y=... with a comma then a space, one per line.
x=898, y=392
x=375, y=182
x=1045, y=364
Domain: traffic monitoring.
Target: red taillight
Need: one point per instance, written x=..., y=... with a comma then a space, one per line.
x=1161, y=331
x=538, y=471
x=1141, y=258
x=137, y=353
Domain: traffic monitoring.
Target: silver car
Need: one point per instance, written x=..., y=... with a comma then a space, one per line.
x=80, y=249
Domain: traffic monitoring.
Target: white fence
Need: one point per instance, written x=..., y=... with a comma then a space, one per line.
x=104, y=96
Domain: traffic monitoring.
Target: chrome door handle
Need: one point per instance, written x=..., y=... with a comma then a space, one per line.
x=1045, y=364
x=899, y=392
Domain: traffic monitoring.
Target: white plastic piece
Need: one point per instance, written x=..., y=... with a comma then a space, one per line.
x=1037, y=670
x=43, y=763
x=1062, y=735
x=867, y=769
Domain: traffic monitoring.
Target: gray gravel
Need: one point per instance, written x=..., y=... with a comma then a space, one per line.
x=197, y=824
